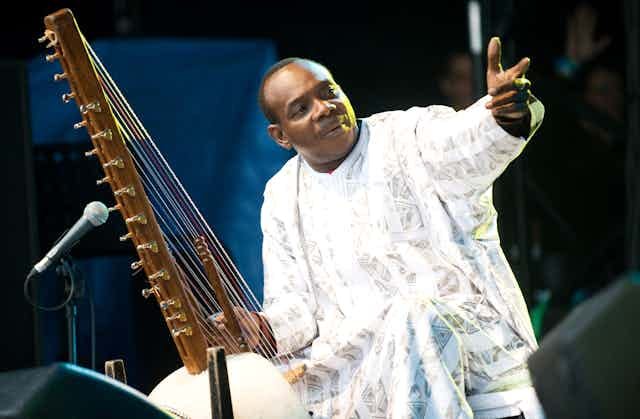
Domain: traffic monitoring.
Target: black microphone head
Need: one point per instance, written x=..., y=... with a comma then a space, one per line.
x=96, y=212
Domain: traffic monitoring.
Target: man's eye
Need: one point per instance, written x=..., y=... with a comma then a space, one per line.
x=299, y=110
x=332, y=91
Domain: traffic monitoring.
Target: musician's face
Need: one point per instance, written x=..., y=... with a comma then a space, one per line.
x=314, y=116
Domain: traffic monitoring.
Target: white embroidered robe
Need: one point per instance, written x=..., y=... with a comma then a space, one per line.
x=386, y=277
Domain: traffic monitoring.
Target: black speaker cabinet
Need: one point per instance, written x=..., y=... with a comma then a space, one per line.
x=588, y=365
x=70, y=392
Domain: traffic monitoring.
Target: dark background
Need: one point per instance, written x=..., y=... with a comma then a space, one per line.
x=386, y=56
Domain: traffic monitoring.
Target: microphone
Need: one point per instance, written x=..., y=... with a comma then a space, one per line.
x=94, y=215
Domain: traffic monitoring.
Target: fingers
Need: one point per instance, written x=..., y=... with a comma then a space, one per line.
x=519, y=69
x=218, y=322
x=494, y=53
x=242, y=315
x=248, y=324
x=512, y=111
x=499, y=81
x=520, y=83
x=511, y=96
x=250, y=328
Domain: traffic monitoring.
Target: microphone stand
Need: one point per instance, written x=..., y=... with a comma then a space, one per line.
x=66, y=271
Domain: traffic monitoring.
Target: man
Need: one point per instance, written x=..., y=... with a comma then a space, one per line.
x=383, y=269
x=455, y=80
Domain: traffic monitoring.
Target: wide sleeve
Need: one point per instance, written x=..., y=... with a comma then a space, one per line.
x=466, y=151
x=289, y=304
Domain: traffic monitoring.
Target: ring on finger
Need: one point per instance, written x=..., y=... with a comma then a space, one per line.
x=521, y=83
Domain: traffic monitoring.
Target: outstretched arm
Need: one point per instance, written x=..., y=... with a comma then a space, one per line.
x=465, y=151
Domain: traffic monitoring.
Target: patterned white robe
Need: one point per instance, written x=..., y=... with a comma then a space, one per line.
x=386, y=277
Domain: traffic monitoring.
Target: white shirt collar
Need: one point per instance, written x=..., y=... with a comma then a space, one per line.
x=345, y=168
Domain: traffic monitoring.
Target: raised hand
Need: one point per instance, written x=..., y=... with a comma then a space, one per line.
x=582, y=44
x=509, y=88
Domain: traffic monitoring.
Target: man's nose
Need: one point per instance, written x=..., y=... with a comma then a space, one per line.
x=324, y=108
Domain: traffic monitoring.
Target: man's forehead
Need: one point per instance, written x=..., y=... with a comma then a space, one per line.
x=297, y=75
x=320, y=71
x=300, y=67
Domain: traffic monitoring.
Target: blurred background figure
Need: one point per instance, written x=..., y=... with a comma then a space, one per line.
x=455, y=80
x=575, y=175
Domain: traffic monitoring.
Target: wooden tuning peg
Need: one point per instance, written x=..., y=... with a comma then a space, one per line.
x=91, y=106
x=51, y=57
x=125, y=237
x=147, y=292
x=186, y=330
x=178, y=316
x=68, y=96
x=152, y=245
x=165, y=304
x=129, y=190
x=106, y=134
x=139, y=218
x=80, y=124
x=162, y=273
x=117, y=162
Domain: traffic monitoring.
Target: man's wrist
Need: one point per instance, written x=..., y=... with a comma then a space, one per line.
x=520, y=127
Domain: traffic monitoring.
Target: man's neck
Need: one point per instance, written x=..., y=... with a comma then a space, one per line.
x=331, y=166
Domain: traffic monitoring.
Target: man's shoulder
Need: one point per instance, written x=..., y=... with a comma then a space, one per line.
x=284, y=178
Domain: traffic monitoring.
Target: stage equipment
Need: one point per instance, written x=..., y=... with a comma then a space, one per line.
x=115, y=369
x=68, y=391
x=95, y=214
x=189, y=273
x=586, y=367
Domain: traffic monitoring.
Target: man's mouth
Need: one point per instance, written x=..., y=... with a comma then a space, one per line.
x=333, y=129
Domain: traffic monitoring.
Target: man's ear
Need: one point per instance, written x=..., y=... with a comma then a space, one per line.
x=275, y=132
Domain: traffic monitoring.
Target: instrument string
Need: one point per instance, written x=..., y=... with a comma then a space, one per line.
x=177, y=246
x=222, y=260
x=176, y=243
x=238, y=298
x=188, y=250
x=185, y=261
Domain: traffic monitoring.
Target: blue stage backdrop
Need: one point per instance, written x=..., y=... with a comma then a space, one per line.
x=197, y=99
